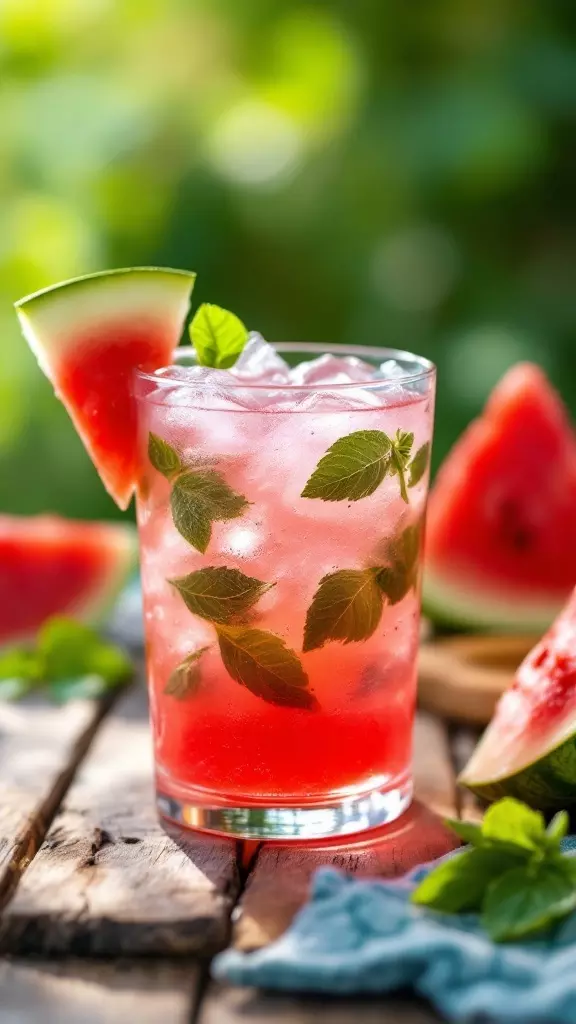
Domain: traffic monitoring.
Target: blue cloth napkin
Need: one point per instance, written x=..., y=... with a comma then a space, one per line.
x=360, y=936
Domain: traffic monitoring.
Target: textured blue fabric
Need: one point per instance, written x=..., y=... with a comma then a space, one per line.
x=357, y=936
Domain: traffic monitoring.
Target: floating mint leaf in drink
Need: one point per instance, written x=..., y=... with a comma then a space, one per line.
x=400, y=457
x=419, y=465
x=219, y=594
x=198, y=498
x=218, y=336
x=399, y=571
x=263, y=663
x=352, y=468
x=164, y=457
x=185, y=679
x=347, y=606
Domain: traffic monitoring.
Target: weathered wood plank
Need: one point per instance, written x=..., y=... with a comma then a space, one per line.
x=223, y=1005
x=40, y=747
x=279, y=880
x=108, y=879
x=96, y=993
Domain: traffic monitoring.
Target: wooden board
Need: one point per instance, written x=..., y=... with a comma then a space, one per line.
x=108, y=880
x=279, y=879
x=241, y=1006
x=40, y=747
x=96, y=993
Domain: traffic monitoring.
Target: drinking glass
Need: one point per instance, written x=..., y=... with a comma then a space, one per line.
x=281, y=530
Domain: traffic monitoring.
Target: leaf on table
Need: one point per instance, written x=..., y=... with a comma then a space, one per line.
x=70, y=649
x=511, y=821
x=460, y=883
x=219, y=594
x=263, y=663
x=347, y=606
x=527, y=900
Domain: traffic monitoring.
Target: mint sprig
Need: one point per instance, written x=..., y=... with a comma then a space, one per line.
x=218, y=336
x=355, y=466
x=515, y=876
x=68, y=660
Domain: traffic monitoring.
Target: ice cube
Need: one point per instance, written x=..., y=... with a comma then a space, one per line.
x=259, y=363
x=330, y=369
x=391, y=369
x=337, y=401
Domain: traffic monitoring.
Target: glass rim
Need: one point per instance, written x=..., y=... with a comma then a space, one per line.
x=427, y=368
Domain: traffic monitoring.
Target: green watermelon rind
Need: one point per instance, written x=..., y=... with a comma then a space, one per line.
x=462, y=607
x=87, y=282
x=548, y=783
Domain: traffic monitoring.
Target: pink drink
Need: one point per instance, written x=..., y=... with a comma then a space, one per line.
x=283, y=706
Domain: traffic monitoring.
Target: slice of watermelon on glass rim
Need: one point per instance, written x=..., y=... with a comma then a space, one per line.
x=89, y=335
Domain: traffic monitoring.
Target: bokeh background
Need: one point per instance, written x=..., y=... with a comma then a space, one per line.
x=375, y=171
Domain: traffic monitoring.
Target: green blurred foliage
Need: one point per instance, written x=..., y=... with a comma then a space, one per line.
x=391, y=173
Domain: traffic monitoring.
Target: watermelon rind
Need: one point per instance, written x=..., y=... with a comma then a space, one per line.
x=548, y=782
x=465, y=606
x=66, y=323
x=49, y=317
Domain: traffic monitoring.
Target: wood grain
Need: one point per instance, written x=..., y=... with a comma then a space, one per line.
x=279, y=881
x=96, y=993
x=240, y=1006
x=40, y=747
x=108, y=880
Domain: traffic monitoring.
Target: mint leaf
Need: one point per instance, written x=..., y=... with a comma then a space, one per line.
x=164, y=457
x=20, y=664
x=419, y=464
x=184, y=680
x=219, y=594
x=466, y=830
x=512, y=822
x=528, y=899
x=558, y=827
x=218, y=336
x=262, y=663
x=402, y=553
x=352, y=468
x=198, y=498
x=460, y=883
x=347, y=606
x=69, y=649
x=400, y=456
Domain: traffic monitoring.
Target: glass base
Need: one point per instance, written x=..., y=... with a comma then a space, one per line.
x=315, y=821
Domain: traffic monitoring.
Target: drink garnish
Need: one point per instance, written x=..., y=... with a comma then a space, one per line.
x=355, y=466
x=219, y=594
x=515, y=876
x=218, y=336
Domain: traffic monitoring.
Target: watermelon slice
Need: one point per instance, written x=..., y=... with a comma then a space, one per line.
x=529, y=749
x=50, y=566
x=501, y=529
x=89, y=335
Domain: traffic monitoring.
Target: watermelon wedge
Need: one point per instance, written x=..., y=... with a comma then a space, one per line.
x=89, y=335
x=501, y=529
x=529, y=749
x=51, y=566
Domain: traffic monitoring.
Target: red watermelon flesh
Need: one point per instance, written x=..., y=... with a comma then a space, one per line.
x=529, y=749
x=501, y=532
x=90, y=335
x=50, y=566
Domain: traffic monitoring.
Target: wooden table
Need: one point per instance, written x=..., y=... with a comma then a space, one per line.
x=104, y=917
